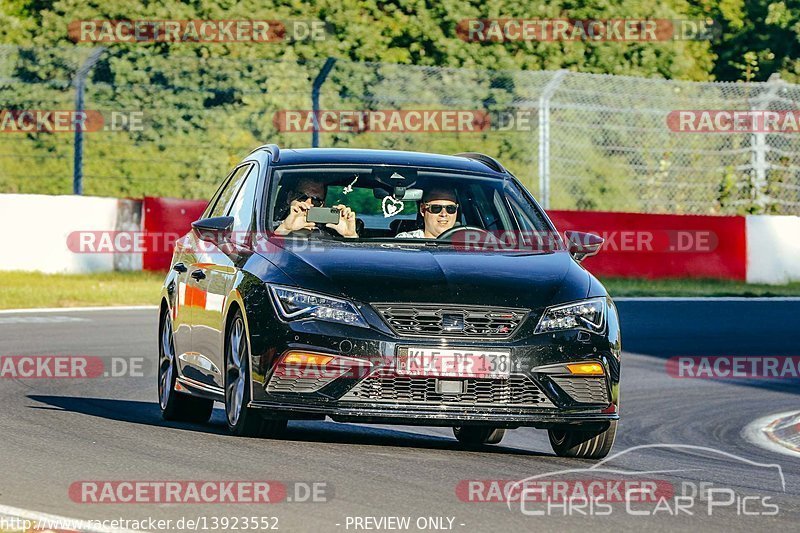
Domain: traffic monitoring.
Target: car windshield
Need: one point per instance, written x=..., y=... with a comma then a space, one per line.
x=406, y=205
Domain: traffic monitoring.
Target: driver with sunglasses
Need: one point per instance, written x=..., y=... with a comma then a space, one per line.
x=309, y=193
x=439, y=209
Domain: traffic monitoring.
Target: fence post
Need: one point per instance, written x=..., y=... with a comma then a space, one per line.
x=80, y=84
x=318, y=81
x=758, y=142
x=544, y=137
x=758, y=160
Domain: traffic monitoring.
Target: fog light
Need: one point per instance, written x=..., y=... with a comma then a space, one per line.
x=304, y=372
x=586, y=369
x=308, y=359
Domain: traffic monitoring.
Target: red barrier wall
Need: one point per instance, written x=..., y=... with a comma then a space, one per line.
x=662, y=246
x=166, y=219
x=637, y=244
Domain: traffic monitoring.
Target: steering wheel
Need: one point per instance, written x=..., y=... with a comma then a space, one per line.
x=448, y=234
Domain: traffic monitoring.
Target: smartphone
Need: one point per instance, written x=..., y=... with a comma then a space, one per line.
x=323, y=215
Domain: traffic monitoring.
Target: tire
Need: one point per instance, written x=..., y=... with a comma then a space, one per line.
x=478, y=435
x=176, y=406
x=243, y=421
x=583, y=444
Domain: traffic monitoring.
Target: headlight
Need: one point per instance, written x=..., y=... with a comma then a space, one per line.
x=587, y=314
x=296, y=304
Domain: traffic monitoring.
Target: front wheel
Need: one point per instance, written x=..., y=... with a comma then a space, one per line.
x=175, y=405
x=477, y=435
x=243, y=421
x=583, y=444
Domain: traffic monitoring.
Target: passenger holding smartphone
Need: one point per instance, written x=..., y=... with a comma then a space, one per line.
x=307, y=194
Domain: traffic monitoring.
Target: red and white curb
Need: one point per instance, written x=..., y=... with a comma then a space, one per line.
x=785, y=431
x=778, y=433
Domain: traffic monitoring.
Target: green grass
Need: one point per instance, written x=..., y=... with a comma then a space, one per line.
x=31, y=289
x=20, y=290
x=694, y=287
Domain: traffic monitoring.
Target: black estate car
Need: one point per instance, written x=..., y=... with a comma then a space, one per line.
x=388, y=287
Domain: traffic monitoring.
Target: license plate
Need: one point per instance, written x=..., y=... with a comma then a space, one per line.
x=453, y=362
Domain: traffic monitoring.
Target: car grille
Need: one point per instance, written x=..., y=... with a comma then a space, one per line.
x=384, y=385
x=451, y=321
x=584, y=390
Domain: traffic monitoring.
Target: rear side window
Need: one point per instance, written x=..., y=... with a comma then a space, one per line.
x=226, y=196
x=242, y=208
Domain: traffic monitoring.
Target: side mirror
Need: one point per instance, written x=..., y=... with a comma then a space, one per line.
x=216, y=230
x=582, y=245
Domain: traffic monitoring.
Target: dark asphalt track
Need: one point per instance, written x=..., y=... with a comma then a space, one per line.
x=57, y=432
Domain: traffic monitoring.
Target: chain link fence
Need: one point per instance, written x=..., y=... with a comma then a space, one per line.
x=174, y=126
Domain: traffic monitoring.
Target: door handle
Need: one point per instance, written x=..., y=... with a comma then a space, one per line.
x=179, y=267
x=198, y=274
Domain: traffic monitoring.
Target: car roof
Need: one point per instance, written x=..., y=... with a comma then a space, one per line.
x=359, y=156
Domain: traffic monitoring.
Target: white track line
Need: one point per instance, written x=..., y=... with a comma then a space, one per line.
x=53, y=521
x=754, y=433
x=80, y=309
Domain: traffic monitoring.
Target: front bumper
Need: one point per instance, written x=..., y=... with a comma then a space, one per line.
x=443, y=416
x=534, y=395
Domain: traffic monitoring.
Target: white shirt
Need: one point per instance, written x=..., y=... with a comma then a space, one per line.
x=416, y=234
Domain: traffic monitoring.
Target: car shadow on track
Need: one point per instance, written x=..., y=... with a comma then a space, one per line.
x=148, y=413
x=145, y=413
x=342, y=433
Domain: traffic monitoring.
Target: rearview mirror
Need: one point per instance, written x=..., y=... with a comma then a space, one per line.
x=408, y=195
x=216, y=230
x=582, y=245
x=412, y=195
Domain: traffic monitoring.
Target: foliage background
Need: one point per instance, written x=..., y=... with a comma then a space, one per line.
x=206, y=105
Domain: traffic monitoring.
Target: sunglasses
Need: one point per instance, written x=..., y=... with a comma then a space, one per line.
x=451, y=209
x=315, y=201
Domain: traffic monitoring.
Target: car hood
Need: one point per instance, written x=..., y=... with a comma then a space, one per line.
x=374, y=273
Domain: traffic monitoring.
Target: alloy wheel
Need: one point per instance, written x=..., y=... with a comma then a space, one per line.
x=236, y=371
x=165, y=363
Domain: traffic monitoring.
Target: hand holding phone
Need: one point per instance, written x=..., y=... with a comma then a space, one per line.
x=323, y=215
